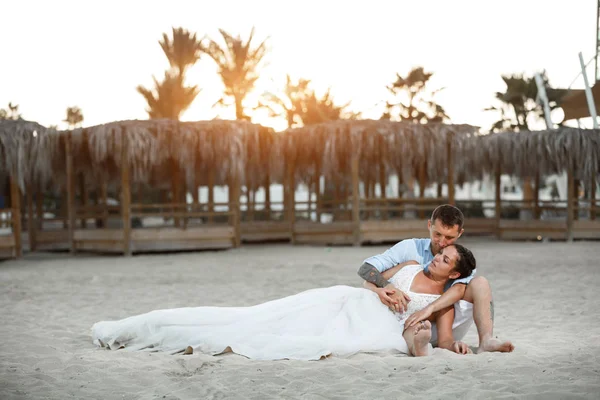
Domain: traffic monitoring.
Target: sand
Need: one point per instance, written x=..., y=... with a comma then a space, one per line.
x=546, y=297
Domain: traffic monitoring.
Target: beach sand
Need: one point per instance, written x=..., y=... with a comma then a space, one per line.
x=546, y=301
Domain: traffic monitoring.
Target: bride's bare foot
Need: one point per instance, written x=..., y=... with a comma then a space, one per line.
x=495, y=345
x=421, y=340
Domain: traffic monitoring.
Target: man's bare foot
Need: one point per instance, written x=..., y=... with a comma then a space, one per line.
x=495, y=345
x=422, y=337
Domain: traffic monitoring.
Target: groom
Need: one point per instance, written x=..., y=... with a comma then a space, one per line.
x=472, y=296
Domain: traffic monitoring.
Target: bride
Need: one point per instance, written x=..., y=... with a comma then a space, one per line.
x=338, y=320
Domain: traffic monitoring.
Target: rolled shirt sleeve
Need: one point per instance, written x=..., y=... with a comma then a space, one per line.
x=403, y=251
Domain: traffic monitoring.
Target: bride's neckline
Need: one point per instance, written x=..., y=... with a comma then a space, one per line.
x=411, y=282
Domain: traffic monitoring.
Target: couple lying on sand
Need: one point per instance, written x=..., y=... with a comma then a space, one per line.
x=409, y=286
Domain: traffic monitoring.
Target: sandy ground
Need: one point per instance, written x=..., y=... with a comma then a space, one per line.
x=546, y=297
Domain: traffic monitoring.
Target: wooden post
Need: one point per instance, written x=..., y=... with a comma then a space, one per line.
x=70, y=200
x=570, y=203
x=382, y=185
x=39, y=207
x=175, y=190
x=450, y=167
x=593, y=198
x=31, y=225
x=251, y=197
x=15, y=205
x=84, y=199
x=355, y=200
x=318, y=201
x=104, y=197
x=211, y=194
x=576, y=184
x=536, y=196
x=234, y=206
x=498, y=201
x=292, y=201
x=422, y=184
x=268, y=195
x=125, y=195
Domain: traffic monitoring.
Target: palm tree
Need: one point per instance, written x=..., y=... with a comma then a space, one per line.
x=170, y=97
x=74, y=117
x=238, y=65
x=418, y=109
x=518, y=103
x=182, y=51
x=12, y=112
x=290, y=103
x=321, y=109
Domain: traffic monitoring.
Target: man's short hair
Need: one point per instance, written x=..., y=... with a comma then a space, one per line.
x=449, y=216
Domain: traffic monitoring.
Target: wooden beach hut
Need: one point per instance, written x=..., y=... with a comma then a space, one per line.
x=533, y=156
x=344, y=162
x=126, y=183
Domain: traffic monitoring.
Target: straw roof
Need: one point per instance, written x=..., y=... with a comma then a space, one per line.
x=155, y=147
x=229, y=148
x=525, y=154
x=252, y=153
x=399, y=147
x=26, y=151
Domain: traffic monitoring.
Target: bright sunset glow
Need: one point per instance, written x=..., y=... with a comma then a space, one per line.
x=93, y=54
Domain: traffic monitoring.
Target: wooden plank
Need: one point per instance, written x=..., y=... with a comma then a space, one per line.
x=55, y=236
x=532, y=230
x=100, y=246
x=182, y=245
x=303, y=227
x=326, y=238
x=174, y=234
x=480, y=226
x=586, y=229
x=265, y=230
x=7, y=242
x=98, y=235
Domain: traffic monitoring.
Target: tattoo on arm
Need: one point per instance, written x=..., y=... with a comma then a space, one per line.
x=492, y=310
x=370, y=274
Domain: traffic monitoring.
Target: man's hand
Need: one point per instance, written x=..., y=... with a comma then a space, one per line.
x=384, y=295
x=419, y=316
x=460, y=348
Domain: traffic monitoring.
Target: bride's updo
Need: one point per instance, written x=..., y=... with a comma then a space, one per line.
x=466, y=261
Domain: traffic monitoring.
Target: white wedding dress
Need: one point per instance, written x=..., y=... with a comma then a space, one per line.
x=338, y=320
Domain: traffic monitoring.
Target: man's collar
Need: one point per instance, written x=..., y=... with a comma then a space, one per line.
x=428, y=247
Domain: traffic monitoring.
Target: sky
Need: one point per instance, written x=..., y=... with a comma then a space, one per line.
x=93, y=54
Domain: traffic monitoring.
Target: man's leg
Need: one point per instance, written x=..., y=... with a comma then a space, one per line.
x=480, y=294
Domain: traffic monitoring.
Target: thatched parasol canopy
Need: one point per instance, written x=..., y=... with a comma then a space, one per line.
x=27, y=151
x=399, y=147
x=156, y=147
x=526, y=154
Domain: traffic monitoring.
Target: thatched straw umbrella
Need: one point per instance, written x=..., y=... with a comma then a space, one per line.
x=26, y=158
x=383, y=148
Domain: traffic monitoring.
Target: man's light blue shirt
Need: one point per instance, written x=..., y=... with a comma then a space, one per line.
x=418, y=250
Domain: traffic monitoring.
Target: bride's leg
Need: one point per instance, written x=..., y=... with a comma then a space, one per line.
x=417, y=338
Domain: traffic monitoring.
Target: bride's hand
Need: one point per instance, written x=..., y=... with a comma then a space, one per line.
x=401, y=301
x=418, y=316
x=384, y=295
